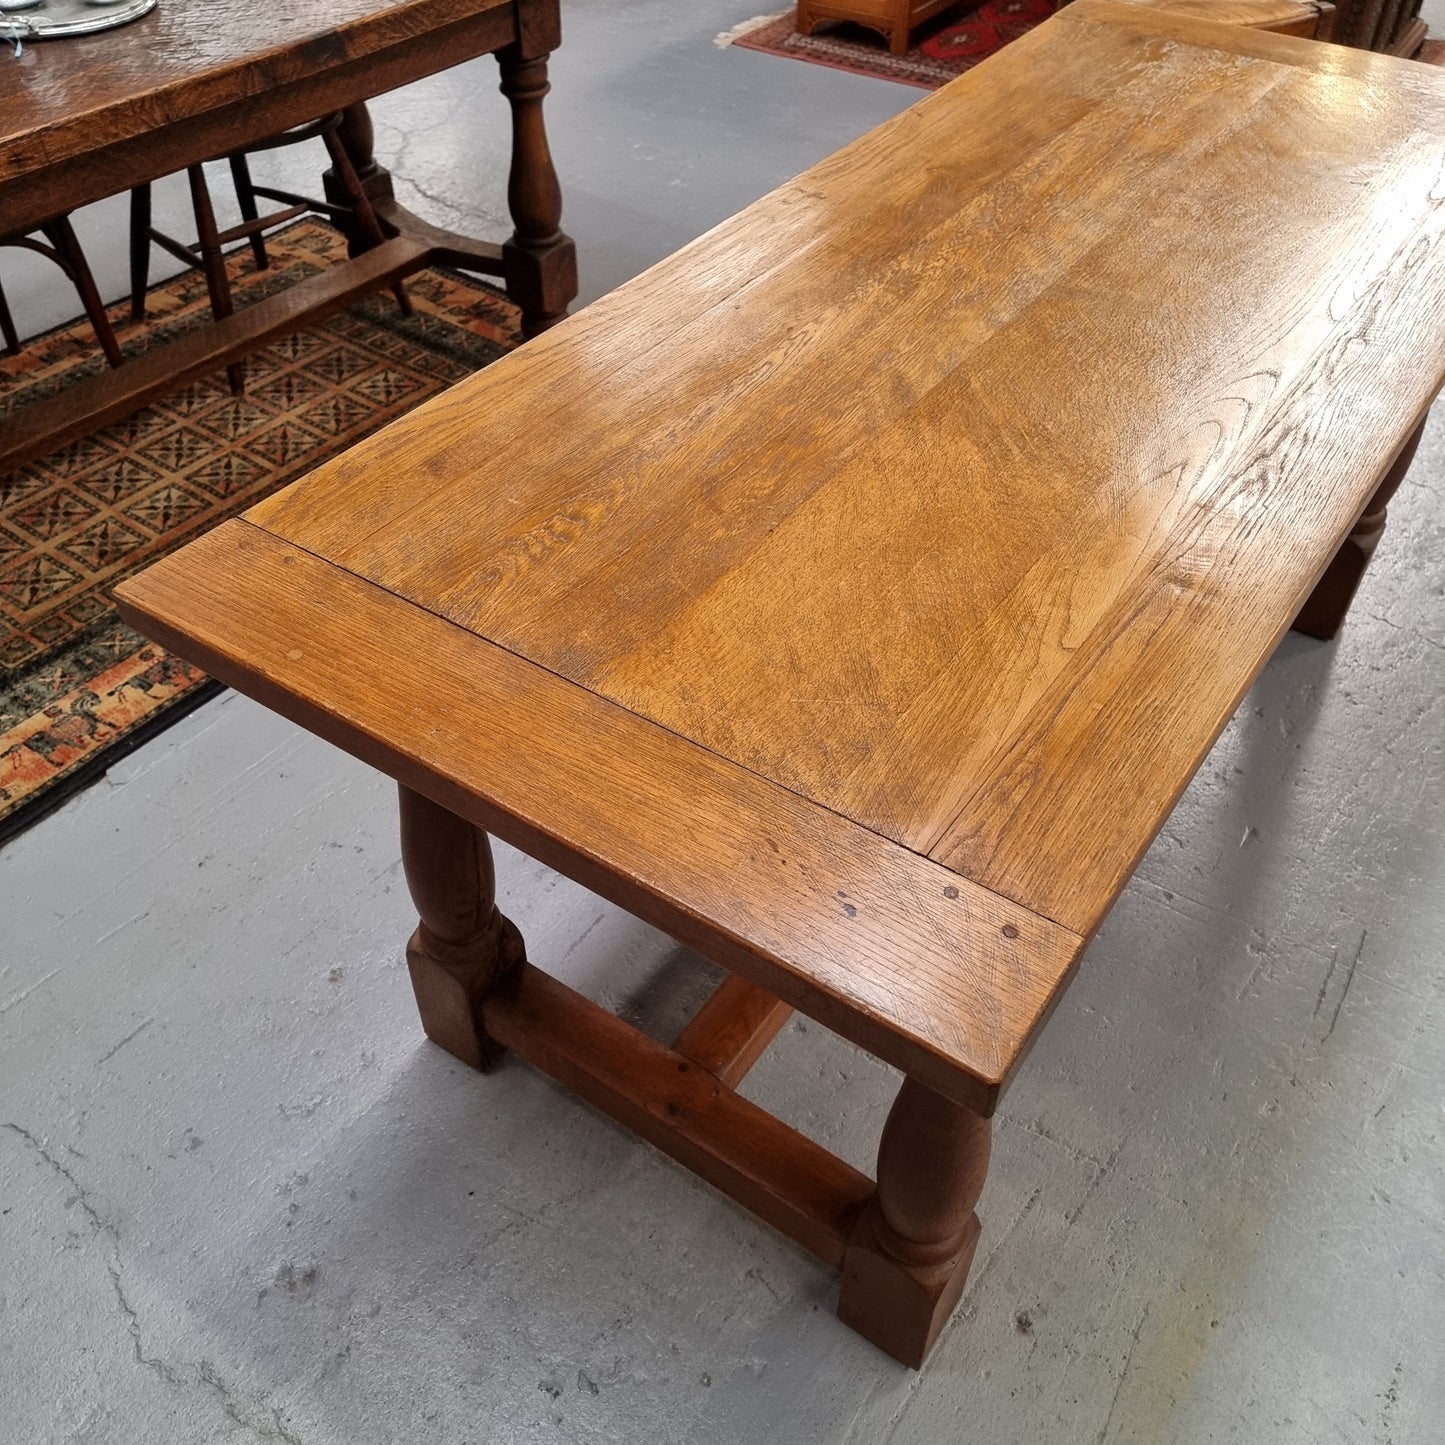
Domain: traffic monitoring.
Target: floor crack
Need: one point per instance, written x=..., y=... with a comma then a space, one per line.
x=83, y=1198
x=272, y=1428
x=1344, y=992
x=134, y=1033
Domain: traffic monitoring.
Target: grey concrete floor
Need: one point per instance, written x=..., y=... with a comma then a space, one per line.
x=241, y=1199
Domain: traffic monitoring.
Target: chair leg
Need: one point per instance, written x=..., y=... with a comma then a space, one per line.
x=361, y=204
x=246, y=199
x=61, y=234
x=7, y=327
x=140, y=249
x=213, y=263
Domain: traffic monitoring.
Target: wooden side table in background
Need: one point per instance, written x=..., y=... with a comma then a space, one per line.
x=895, y=20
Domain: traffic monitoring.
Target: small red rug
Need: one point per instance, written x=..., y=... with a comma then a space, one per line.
x=947, y=46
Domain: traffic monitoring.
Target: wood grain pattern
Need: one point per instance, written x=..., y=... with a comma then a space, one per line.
x=797, y=1186
x=1047, y=583
x=853, y=594
x=728, y=1034
x=920, y=967
x=1283, y=17
x=1325, y=609
x=184, y=63
x=1185, y=23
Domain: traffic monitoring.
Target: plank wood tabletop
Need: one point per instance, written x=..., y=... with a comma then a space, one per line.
x=854, y=593
x=886, y=512
x=182, y=64
x=1311, y=18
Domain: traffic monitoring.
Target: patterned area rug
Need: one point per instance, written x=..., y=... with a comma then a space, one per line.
x=945, y=47
x=77, y=687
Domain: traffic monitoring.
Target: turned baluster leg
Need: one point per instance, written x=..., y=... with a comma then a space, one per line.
x=1324, y=611
x=463, y=946
x=907, y=1261
x=540, y=260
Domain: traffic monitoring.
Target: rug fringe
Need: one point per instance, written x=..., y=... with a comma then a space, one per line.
x=725, y=38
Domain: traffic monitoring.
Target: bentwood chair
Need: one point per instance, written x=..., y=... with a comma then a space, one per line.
x=61, y=246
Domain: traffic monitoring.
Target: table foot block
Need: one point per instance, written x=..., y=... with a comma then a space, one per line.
x=901, y=1308
x=731, y=1030
x=447, y=994
x=786, y=1179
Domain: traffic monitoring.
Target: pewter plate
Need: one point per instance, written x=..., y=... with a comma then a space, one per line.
x=52, y=19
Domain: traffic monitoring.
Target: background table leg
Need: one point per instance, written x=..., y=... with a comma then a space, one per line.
x=463, y=946
x=909, y=1256
x=540, y=260
x=1324, y=612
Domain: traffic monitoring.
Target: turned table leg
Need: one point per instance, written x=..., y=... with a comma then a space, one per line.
x=540, y=260
x=463, y=946
x=907, y=1261
x=1324, y=611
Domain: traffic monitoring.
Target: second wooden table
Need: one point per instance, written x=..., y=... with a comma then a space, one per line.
x=86, y=118
x=853, y=594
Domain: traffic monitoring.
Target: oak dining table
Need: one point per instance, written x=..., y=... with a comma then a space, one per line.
x=88, y=117
x=853, y=594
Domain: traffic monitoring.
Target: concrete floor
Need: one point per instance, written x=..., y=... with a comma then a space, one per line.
x=241, y=1199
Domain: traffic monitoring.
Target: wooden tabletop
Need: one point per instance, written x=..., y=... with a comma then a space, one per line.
x=854, y=593
x=88, y=116
x=1286, y=17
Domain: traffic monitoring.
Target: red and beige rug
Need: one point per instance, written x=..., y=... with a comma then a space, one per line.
x=950, y=44
x=77, y=687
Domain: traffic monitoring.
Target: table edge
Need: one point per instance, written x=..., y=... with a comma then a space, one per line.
x=1012, y=964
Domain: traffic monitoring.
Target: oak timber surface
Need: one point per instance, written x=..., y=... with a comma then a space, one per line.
x=185, y=58
x=1277, y=15
x=963, y=484
x=922, y=968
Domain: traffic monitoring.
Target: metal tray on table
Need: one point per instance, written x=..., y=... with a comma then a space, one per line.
x=54, y=19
